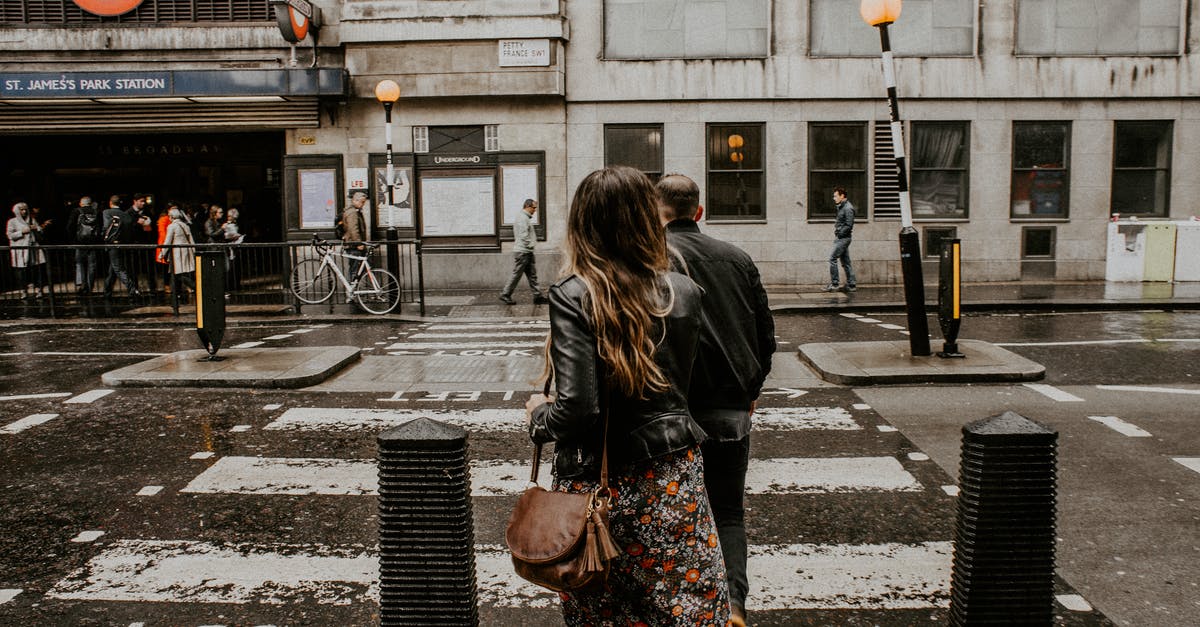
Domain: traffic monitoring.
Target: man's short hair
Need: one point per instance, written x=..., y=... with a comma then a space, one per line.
x=529, y=202
x=137, y=197
x=680, y=195
x=840, y=191
x=85, y=201
x=356, y=193
x=114, y=201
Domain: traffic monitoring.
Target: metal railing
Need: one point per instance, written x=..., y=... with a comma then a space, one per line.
x=258, y=274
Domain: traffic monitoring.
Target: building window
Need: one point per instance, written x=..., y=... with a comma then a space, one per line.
x=456, y=139
x=931, y=28
x=1037, y=242
x=935, y=236
x=1041, y=177
x=1098, y=27
x=149, y=11
x=420, y=139
x=686, y=29
x=736, y=184
x=1141, y=182
x=939, y=169
x=837, y=157
x=491, y=138
x=635, y=145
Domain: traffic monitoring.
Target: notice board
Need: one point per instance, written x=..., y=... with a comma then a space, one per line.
x=458, y=205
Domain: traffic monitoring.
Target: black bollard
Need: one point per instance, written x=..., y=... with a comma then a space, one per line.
x=950, y=298
x=426, y=535
x=210, y=301
x=1004, y=537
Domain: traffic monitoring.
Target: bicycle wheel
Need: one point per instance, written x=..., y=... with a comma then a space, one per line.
x=377, y=291
x=312, y=282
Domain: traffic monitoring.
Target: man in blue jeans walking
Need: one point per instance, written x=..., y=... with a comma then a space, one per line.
x=524, y=264
x=843, y=230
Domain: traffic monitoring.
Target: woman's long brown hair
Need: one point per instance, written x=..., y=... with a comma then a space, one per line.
x=617, y=246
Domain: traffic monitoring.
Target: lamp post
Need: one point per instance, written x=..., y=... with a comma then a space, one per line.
x=881, y=13
x=388, y=92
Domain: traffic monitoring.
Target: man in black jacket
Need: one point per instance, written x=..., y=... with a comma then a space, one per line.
x=117, y=228
x=737, y=339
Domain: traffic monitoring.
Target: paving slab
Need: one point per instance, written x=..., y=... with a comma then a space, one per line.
x=873, y=363
x=240, y=367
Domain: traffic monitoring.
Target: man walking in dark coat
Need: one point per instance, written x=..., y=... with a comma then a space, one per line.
x=737, y=339
x=117, y=228
x=843, y=231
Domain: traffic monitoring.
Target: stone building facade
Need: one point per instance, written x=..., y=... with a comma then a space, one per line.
x=1027, y=122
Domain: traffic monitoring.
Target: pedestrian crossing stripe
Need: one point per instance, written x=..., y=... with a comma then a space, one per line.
x=513, y=420
x=795, y=576
x=443, y=336
x=512, y=326
x=308, y=476
x=455, y=346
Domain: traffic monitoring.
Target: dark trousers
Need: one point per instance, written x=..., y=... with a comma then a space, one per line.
x=725, y=480
x=116, y=270
x=523, y=265
x=85, y=268
x=841, y=252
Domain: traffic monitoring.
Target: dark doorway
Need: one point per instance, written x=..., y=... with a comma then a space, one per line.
x=233, y=169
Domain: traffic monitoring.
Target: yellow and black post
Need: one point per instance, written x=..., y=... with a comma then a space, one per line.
x=950, y=297
x=210, y=300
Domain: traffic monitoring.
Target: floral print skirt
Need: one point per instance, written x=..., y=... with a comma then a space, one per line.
x=670, y=570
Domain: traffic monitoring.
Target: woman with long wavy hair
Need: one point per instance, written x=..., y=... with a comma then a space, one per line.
x=623, y=332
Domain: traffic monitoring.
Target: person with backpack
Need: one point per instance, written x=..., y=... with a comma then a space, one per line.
x=83, y=226
x=117, y=229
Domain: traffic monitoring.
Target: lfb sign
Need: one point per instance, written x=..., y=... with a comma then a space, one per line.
x=108, y=8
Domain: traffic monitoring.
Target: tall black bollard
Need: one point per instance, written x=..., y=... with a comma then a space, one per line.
x=426, y=535
x=1004, y=538
x=210, y=300
x=950, y=298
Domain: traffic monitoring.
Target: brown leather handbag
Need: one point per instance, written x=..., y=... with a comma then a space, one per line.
x=560, y=540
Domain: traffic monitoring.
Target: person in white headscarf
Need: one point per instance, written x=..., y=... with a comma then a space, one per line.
x=25, y=256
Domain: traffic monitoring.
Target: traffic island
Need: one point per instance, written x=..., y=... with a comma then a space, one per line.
x=875, y=363
x=239, y=368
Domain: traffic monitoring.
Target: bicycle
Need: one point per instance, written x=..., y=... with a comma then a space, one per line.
x=376, y=290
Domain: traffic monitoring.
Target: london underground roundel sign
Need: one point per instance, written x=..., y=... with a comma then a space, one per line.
x=108, y=8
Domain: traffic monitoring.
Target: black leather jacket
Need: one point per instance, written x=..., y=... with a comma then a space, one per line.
x=737, y=333
x=639, y=429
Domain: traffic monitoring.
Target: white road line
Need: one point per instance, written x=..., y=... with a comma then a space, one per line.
x=307, y=476
x=1120, y=426
x=1189, y=462
x=198, y=572
x=87, y=536
x=1073, y=602
x=8, y=594
x=918, y=457
x=861, y=406
x=868, y=320
x=301, y=331
x=1053, y=393
x=272, y=406
x=29, y=397
x=891, y=327
x=81, y=354
x=886, y=428
x=1147, y=388
x=150, y=490
x=26, y=332
x=803, y=576
x=850, y=315
x=284, y=336
x=90, y=396
x=240, y=428
x=443, y=336
x=952, y=490
x=247, y=345
x=27, y=423
x=202, y=455
x=456, y=346
x=506, y=420
x=473, y=327
x=1165, y=340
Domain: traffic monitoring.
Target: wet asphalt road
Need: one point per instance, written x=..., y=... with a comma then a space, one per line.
x=1128, y=514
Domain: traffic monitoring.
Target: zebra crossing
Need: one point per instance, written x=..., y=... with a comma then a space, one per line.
x=814, y=459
